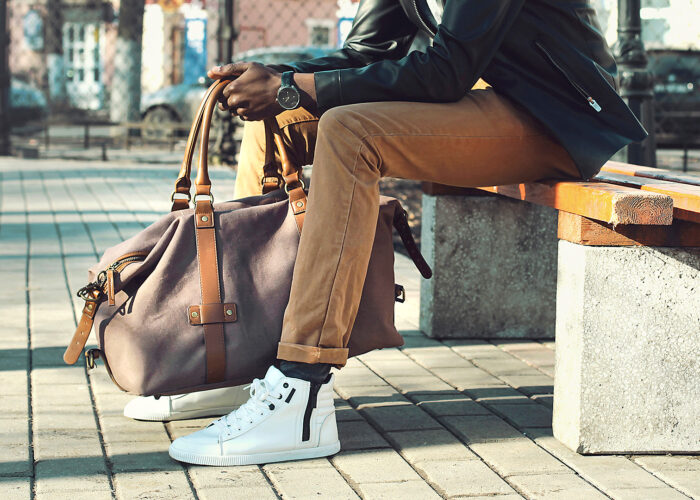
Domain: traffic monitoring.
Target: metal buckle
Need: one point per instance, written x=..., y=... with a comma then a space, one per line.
x=92, y=292
x=286, y=187
x=265, y=178
x=189, y=196
x=90, y=358
x=211, y=198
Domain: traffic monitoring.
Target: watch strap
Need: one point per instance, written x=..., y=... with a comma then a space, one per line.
x=288, y=79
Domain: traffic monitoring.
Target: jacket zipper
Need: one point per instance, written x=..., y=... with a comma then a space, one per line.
x=420, y=18
x=592, y=102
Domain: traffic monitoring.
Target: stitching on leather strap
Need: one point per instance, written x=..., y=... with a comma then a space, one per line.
x=82, y=333
x=211, y=290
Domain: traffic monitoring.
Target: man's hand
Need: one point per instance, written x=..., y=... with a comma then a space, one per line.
x=252, y=95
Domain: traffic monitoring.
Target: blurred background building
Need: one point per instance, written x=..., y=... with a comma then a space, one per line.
x=95, y=64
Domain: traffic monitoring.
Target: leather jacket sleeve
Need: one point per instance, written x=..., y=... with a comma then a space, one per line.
x=466, y=40
x=380, y=30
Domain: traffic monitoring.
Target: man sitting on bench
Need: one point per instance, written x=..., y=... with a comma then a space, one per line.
x=551, y=111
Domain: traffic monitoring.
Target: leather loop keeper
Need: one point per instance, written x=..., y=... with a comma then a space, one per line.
x=211, y=313
x=297, y=200
x=204, y=215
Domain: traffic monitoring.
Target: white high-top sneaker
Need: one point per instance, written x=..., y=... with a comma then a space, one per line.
x=284, y=419
x=211, y=403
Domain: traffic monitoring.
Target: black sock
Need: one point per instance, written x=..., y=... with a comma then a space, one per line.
x=311, y=372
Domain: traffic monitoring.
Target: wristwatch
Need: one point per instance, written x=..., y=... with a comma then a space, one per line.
x=288, y=95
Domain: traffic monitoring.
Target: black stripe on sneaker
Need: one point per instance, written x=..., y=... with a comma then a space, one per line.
x=289, y=397
x=310, y=405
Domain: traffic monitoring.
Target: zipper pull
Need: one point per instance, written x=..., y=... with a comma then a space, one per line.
x=594, y=104
x=110, y=287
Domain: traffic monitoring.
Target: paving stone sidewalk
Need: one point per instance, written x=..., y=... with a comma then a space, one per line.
x=433, y=419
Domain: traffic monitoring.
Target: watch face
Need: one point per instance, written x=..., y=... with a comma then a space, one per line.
x=288, y=97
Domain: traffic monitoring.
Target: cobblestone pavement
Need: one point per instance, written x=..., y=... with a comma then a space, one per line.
x=433, y=419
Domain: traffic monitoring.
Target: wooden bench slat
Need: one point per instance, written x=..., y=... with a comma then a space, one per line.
x=596, y=200
x=584, y=231
x=661, y=174
x=686, y=198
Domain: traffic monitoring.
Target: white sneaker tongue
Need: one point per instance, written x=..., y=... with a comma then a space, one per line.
x=273, y=377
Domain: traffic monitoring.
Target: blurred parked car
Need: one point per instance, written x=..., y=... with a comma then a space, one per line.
x=676, y=96
x=179, y=103
x=27, y=103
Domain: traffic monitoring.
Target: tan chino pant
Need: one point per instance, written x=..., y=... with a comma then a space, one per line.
x=482, y=140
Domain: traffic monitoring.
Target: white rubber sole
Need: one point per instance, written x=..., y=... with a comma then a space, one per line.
x=182, y=415
x=255, y=459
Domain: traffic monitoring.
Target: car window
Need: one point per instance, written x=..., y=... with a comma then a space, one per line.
x=284, y=57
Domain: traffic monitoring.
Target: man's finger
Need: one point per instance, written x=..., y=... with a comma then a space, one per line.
x=229, y=89
x=233, y=69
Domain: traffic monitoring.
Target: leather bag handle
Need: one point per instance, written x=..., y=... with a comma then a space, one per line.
x=201, y=127
x=202, y=124
x=183, y=183
x=202, y=182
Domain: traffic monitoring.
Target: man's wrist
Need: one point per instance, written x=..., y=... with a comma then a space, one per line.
x=307, y=88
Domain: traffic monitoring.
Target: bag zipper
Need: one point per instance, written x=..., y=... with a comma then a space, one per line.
x=592, y=102
x=106, y=278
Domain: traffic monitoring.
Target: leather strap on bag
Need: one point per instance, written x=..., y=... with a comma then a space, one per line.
x=404, y=230
x=205, y=234
x=92, y=303
x=271, y=179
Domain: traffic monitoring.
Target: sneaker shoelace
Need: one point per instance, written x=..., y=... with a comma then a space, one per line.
x=261, y=401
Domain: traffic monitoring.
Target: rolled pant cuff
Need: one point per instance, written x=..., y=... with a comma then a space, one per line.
x=337, y=356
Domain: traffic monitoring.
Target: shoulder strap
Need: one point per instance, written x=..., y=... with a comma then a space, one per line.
x=404, y=230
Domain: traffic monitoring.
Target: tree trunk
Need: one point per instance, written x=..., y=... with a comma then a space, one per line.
x=125, y=97
x=4, y=82
x=56, y=71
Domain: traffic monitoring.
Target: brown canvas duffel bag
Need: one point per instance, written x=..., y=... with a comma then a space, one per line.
x=196, y=300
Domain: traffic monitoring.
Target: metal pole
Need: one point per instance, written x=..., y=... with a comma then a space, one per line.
x=56, y=71
x=224, y=143
x=636, y=85
x=226, y=32
x=126, y=82
x=4, y=81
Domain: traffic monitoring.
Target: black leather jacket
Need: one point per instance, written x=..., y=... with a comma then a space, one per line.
x=547, y=55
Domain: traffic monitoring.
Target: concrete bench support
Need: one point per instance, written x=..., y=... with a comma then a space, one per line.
x=494, y=261
x=628, y=349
